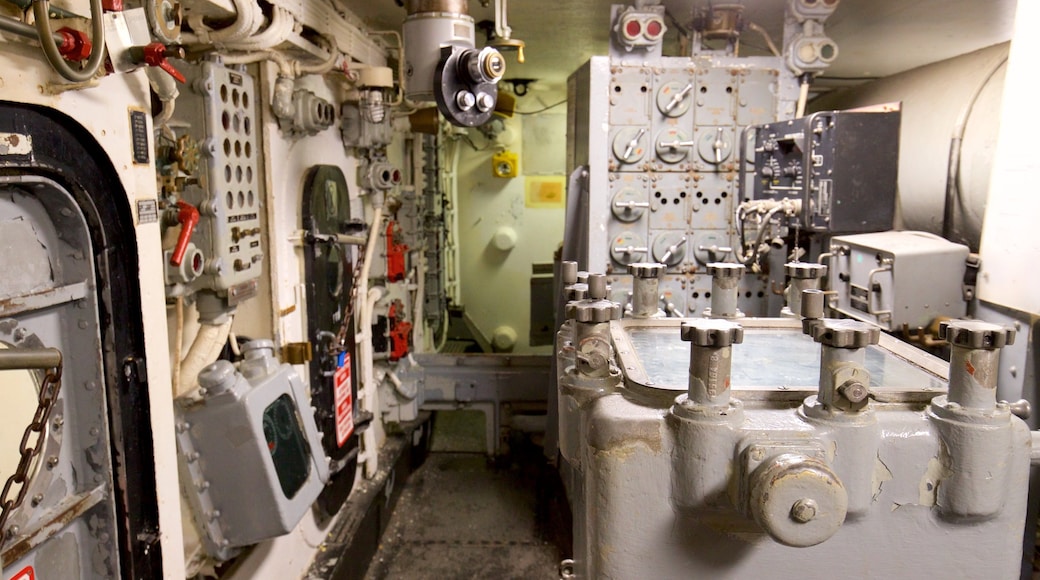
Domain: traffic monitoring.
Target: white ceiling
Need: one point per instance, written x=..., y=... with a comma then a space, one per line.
x=875, y=37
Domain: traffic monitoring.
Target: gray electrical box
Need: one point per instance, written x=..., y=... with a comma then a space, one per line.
x=897, y=279
x=841, y=164
x=251, y=450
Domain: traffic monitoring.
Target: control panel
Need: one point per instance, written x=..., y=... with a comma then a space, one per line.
x=663, y=173
x=842, y=165
x=228, y=194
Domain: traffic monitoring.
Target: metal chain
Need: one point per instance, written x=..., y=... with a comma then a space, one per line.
x=48, y=396
x=341, y=336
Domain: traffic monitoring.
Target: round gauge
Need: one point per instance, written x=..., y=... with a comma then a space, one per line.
x=672, y=145
x=673, y=99
x=630, y=145
x=627, y=247
x=629, y=204
x=670, y=248
x=715, y=146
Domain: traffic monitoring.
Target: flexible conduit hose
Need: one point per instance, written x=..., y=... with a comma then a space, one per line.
x=41, y=10
x=204, y=350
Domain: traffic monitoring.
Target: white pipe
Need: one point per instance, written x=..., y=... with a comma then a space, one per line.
x=324, y=66
x=285, y=66
x=277, y=32
x=247, y=22
x=368, y=393
x=178, y=340
x=165, y=87
x=204, y=350
x=454, y=193
x=803, y=98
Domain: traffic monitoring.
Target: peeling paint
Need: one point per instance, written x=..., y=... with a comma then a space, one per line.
x=15, y=144
x=881, y=474
x=929, y=485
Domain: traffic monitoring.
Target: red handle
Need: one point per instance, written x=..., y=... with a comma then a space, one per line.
x=188, y=217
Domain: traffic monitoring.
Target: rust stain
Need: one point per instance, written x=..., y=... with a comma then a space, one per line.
x=51, y=529
x=970, y=367
x=13, y=140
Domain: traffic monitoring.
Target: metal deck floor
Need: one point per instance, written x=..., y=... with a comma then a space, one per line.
x=460, y=516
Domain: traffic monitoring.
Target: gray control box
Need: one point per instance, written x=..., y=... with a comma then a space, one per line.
x=841, y=164
x=894, y=279
x=251, y=449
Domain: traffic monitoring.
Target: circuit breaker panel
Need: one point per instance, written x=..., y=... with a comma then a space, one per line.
x=228, y=195
x=660, y=139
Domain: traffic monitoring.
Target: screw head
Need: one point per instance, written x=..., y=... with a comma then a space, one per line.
x=854, y=391
x=465, y=100
x=804, y=510
x=485, y=102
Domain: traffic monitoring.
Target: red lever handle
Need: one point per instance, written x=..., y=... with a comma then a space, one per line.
x=156, y=54
x=188, y=217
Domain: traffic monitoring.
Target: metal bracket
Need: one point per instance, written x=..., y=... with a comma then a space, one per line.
x=972, y=265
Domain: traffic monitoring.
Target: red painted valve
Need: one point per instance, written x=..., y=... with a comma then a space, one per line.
x=75, y=45
x=188, y=217
x=157, y=54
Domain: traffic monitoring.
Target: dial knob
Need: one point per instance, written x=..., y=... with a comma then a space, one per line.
x=712, y=332
x=976, y=334
x=845, y=333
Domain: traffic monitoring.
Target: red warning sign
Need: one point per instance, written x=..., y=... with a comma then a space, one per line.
x=344, y=400
x=26, y=573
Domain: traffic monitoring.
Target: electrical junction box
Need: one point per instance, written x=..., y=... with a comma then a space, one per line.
x=505, y=164
x=250, y=451
x=841, y=164
x=897, y=279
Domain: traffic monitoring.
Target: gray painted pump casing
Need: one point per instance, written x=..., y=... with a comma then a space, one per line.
x=659, y=493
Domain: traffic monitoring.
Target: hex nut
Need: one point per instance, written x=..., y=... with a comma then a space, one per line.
x=712, y=332
x=805, y=270
x=845, y=333
x=976, y=334
x=646, y=270
x=725, y=270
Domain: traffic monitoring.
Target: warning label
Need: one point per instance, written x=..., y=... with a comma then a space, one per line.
x=344, y=400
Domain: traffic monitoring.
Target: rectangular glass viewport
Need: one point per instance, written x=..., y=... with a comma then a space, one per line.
x=775, y=356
